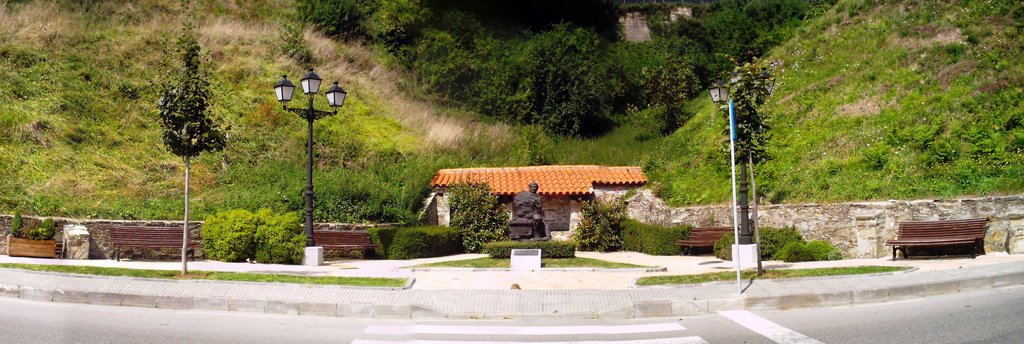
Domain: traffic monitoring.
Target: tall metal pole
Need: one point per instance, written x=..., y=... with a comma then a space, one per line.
x=309, y=176
x=746, y=237
x=732, y=163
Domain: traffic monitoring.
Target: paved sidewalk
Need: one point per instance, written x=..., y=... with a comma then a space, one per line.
x=504, y=303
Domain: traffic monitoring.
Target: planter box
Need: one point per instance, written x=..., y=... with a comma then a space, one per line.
x=31, y=248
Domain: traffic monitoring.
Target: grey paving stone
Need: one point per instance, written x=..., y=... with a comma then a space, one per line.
x=941, y=287
x=10, y=290
x=210, y=303
x=624, y=312
x=392, y=311
x=70, y=296
x=906, y=292
x=355, y=310
x=661, y=308
x=174, y=302
x=35, y=294
x=318, y=309
x=107, y=299
x=239, y=305
x=139, y=301
x=283, y=307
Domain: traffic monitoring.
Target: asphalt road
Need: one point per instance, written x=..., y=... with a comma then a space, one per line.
x=992, y=316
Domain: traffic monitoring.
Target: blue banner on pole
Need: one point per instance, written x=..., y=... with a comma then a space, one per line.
x=732, y=119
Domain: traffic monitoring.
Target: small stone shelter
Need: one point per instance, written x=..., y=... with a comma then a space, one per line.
x=562, y=189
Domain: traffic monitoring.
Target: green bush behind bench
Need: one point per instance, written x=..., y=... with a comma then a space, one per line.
x=267, y=237
x=785, y=244
x=548, y=249
x=652, y=239
x=416, y=242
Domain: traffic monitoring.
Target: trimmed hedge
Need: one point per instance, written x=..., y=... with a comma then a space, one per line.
x=267, y=237
x=772, y=242
x=807, y=252
x=548, y=249
x=652, y=239
x=416, y=242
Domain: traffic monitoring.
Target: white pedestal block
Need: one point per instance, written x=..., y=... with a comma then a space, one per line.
x=746, y=254
x=314, y=256
x=525, y=259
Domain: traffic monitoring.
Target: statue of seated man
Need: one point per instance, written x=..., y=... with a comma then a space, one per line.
x=528, y=216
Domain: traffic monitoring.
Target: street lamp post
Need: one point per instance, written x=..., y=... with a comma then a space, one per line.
x=720, y=93
x=335, y=98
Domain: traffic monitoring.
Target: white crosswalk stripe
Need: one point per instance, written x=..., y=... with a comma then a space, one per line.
x=766, y=328
x=590, y=334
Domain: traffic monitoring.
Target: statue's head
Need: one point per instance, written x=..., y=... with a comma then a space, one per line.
x=533, y=187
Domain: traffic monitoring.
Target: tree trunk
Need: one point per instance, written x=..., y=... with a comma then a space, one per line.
x=184, y=232
x=753, y=213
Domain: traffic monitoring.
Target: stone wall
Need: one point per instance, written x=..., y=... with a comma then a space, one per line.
x=634, y=27
x=858, y=228
x=99, y=235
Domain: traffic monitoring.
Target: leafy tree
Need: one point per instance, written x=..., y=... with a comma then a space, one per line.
x=748, y=92
x=478, y=215
x=187, y=127
x=600, y=227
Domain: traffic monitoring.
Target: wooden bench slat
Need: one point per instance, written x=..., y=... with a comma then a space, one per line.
x=938, y=233
x=336, y=240
x=148, y=237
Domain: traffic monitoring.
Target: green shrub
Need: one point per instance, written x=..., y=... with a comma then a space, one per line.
x=652, y=239
x=294, y=44
x=824, y=251
x=233, y=236
x=774, y=239
x=478, y=215
x=279, y=239
x=16, y=225
x=600, y=226
x=45, y=231
x=723, y=247
x=548, y=249
x=416, y=242
x=796, y=252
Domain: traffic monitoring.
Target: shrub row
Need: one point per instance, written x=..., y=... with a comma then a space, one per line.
x=416, y=242
x=548, y=249
x=784, y=244
x=652, y=239
x=267, y=237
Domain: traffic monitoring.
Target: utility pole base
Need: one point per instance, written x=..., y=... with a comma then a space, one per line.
x=746, y=254
x=314, y=256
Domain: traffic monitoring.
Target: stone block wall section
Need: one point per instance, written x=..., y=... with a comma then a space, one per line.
x=99, y=234
x=860, y=229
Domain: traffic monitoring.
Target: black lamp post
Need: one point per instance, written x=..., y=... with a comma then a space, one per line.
x=335, y=98
x=720, y=93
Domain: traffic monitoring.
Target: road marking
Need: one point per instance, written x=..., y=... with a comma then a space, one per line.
x=684, y=340
x=523, y=330
x=767, y=328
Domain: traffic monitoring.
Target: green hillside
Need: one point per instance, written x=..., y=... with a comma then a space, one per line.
x=878, y=100
x=874, y=100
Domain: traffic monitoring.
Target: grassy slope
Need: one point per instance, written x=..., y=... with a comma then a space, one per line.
x=877, y=100
x=865, y=93
x=79, y=134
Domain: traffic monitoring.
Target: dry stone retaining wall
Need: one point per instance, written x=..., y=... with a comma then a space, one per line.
x=858, y=228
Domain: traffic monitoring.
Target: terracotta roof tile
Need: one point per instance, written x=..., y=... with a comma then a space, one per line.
x=570, y=180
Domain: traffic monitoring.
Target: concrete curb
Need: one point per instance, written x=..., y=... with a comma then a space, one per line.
x=634, y=308
x=815, y=278
x=409, y=281
x=633, y=270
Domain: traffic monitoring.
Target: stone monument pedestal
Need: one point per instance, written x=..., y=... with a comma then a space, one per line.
x=314, y=256
x=76, y=242
x=746, y=254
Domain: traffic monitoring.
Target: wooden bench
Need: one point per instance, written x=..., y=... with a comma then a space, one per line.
x=148, y=237
x=343, y=240
x=939, y=233
x=704, y=237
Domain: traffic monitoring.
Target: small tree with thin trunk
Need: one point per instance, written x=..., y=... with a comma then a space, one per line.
x=187, y=126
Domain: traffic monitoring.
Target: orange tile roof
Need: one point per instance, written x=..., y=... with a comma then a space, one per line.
x=570, y=180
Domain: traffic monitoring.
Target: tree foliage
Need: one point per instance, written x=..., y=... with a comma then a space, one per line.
x=600, y=227
x=187, y=126
x=478, y=215
x=748, y=91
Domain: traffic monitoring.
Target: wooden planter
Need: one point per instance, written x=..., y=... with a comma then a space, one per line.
x=31, y=248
